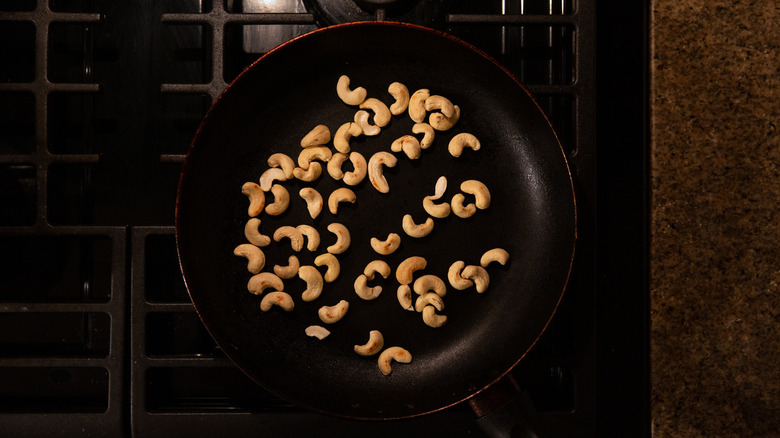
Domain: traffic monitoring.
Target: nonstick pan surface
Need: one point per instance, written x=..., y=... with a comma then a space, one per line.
x=268, y=109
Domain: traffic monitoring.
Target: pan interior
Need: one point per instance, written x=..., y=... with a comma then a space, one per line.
x=268, y=110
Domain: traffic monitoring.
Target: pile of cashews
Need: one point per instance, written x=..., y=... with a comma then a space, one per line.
x=372, y=115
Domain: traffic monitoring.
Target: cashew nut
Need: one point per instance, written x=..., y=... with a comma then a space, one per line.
x=460, y=141
x=289, y=271
x=405, y=271
x=350, y=97
x=256, y=198
x=342, y=238
x=317, y=331
x=439, y=122
x=387, y=246
x=375, y=343
x=252, y=233
x=292, y=233
x=312, y=236
x=357, y=175
x=456, y=279
x=342, y=194
x=460, y=210
x=479, y=275
x=499, y=255
x=269, y=176
x=440, y=103
x=361, y=119
x=382, y=114
x=401, y=95
x=417, y=104
x=254, y=256
x=334, y=268
x=428, y=134
x=375, y=164
x=344, y=134
x=480, y=192
x=409, y=144
x=397, y=354
x=286, y=163
x=319, y=135
x=437, y=210
x=416, y=230
x=404, y=295
x=377, y=266
x=331, y=314
x=281, y=299
x=314, y=283
x=313, y=201
x=364, y=291
x=321, y=153
x=313, y=172
x=429, y=299
x=281, y=200
x=430, y=282
x=262, y=281
x=431, y=318
x=334, y=165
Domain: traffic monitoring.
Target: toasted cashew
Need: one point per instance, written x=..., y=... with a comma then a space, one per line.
x=404, y=295
x=363, y=290
x=317, y=331
x=409, y=144
x=479, y=275
x=313, y=172
x=375, y=174
x=286, y=163
x=437, y=210
x=431, y=318
x=334, y=267
x=350, y=97
x=334, y=165
x=254, y=256
x=455, y=278
x=460, y=210
x=429, y=299
x=252, y=233
x=312, y=236
x=440, y=103
x=319, y=135
x=342, y=238
x=321, y=153
x=377, y=266
x=461, y=141
x=289, y=271
x=313, y=201
x=387, y=246
x=332, y=314
x=269, y=176
x=361, y=119
x=314, y=283
x=262, y=281
x=398, y=354
x=281, y=201
x=428, y=134
x=430, y=282
x=256, y=198
x=357, y=175
x=292, y=233
x=499, y=255
x=382, y=114
x=441, y=123
x=278, y=298
x=417, y=104
x=406, y=269
x=479, y=190
x=375, y=343
x=341, y=194
x=344, y=134
x=401, y=95
x=414, y=229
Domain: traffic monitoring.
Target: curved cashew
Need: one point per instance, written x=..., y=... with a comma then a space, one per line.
x=499, y=255
x=439, y=122
x=312, y=236
x=375, y=343
x=350, y=97
x=289, y=271
x=382, y=114
x=401, y=95
x=416, y=230
x=428, y=134
x=256, y=198
x=313, y=201
x=405, y=271
x=479, y=275
x=431, y=318
x=313, y=172
x=377, y=266
x=329, y=260
x=254, y=256
x=262, y=281
x=404, y=295
x=460, y=210
x=281, y=200
x=314, y=283
x=286, y=163
x=375, y=175
x=387, y=246
x=331, y=314
x=417, y=104
x=321, y=153
x=344, y=134
x=398, y=354
x=364, y=291
x=429, y=299
x=252, y=233
x=440, y=103
x=437, y=210
x=334, y=165
x=342, y=194
x=428, y=283
x=480, y=192
x=456, y=279
x=292, y=233
x=409, y=144
x=269, y=176
x=361, y=119
x=280, y=299
x=460, y=141
x=356, y=176
x=342, y=238
x=319, y=135
x=317, y=331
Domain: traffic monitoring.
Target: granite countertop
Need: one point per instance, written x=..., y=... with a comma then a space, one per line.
x=715, y=210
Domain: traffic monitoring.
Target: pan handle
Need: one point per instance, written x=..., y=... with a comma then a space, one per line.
x=505, y=410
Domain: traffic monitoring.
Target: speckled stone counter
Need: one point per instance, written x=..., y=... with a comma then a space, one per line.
x=715, y=248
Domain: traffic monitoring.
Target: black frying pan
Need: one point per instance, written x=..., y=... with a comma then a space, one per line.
x=268, y=109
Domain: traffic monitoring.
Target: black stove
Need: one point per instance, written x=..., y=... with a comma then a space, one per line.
x=99, y=100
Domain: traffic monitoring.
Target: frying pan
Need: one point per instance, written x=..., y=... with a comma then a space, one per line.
x=268, y=109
